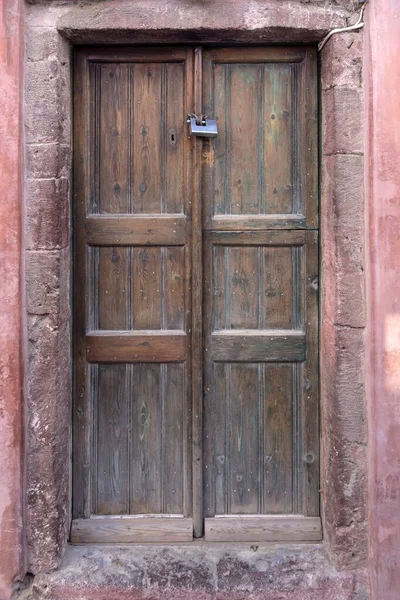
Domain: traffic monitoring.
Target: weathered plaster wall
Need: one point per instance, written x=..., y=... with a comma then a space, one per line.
x=383, y=185
x=47, y=105
x=11, y=406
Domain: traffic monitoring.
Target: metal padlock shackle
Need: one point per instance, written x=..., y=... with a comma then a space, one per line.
x=202, y=126
x=199, y=120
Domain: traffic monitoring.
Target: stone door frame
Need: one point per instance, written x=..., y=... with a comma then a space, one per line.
x=52, y=28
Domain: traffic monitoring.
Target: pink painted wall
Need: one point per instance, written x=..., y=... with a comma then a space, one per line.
x=383, y=195
x=10, y=294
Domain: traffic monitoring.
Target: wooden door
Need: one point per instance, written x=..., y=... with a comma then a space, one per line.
x=261, y=437
x=152, y=454
x=132, y=295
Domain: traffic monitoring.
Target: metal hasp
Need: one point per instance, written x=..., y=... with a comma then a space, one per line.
x=203, y=127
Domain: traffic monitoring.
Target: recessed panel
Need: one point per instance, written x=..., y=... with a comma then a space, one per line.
x=138, y=438
x=253, y=166
x=253, y=287
x=252, y=439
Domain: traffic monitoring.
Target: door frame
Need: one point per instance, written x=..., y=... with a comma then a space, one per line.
x=305, y=526
x=69, y=28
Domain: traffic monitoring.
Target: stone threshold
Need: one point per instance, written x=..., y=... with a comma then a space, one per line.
x=197, y=571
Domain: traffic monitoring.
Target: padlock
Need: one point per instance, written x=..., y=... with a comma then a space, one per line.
x=202, y=127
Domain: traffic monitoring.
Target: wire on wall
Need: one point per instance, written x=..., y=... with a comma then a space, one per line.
x=358, y=25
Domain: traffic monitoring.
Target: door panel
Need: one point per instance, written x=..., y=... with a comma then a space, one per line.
x=262, y=168
x=261, y=439
x=132, y=282
x=276, y=364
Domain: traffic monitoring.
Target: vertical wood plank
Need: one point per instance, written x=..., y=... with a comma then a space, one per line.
x=307, y=103
x=278, y=150
x=114, y=139
x=112, y=441
x=113, y=287
x=243, y=287
x=243, y=124
x=197, y=306
x=209, y=382
x=219, y=293
x=220, y=429
x=147, y=138
x=219, y=159
x=174, y=427
x=146, y=439
x=277, y=289
x=278, y=438
x=243, y=439
x=174, y=288
x=147, y=292
x=310, y=391
x=174, y=139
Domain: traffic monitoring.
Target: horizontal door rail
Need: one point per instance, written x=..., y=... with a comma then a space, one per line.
x=243, y=222
x=258, y=238
x=132, y=347
x=131, y=529
x=136, y=230
x=258, y=346
x=260, y=528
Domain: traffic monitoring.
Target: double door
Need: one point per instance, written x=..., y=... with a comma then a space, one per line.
x=195, y=296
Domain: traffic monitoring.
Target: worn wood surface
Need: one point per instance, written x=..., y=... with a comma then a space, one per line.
x=127, y=347
x=132, y=287
x=260, y=298
x=136, y=230
x=283, y=528
x=196, y=277
x=127, y=530
x=262, y=168
x=196, y=295
x=243, y=345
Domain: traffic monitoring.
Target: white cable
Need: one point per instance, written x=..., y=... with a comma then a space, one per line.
x=358, y=25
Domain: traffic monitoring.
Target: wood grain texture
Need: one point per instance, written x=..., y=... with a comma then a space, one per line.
x=112, y=273
x=127, y=530
x=112, y=477
x=148, y=89
x=309, y=449
x=243, y=439
x=307, y=137
x=257, y=55
x=255, y=222
x=137, y=230
x=259, y=193
x=258, y=346
x=283, y=528
x=279, y=124
x=262, y=167
x=257, y=238
x=113, y=142
x=132, y=282
x=147, y=291
x=277, y=443
x=196, y=278
x=196, y=369
x=147, y=440
x=141, y=346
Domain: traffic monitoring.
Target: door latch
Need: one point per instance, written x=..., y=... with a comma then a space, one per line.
x=202, y=127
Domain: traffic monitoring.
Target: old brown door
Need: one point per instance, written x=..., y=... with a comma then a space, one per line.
x=195, y=261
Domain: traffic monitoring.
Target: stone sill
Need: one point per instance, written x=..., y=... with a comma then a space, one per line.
x=199, y=571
